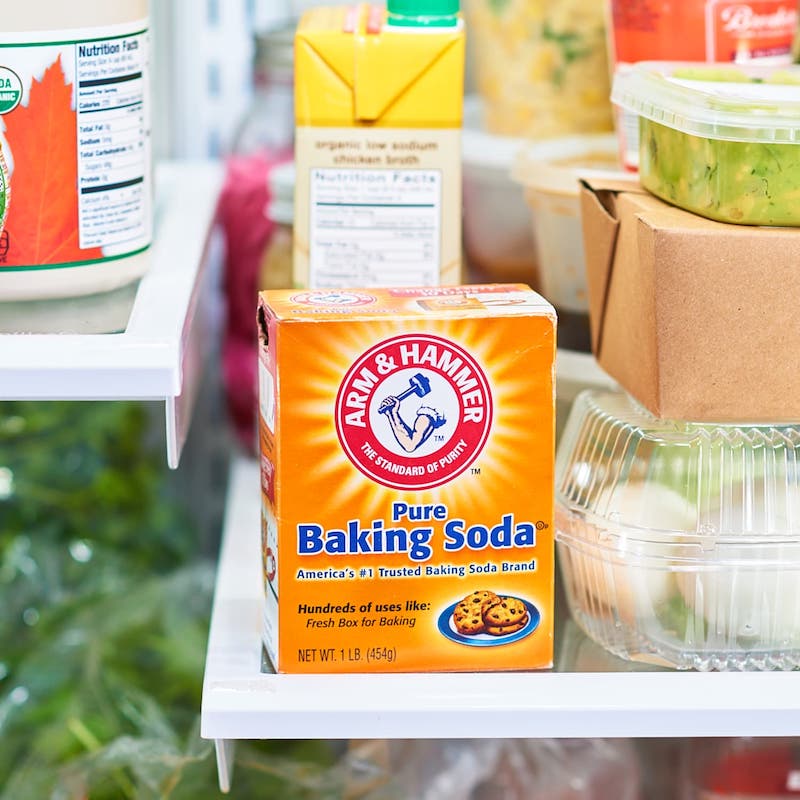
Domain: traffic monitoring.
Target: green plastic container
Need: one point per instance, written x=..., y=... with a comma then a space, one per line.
x=719, y=140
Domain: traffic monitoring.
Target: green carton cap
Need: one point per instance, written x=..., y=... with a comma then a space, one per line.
x=423, y=13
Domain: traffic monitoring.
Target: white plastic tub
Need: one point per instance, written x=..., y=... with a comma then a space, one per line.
x=498, y=239
x=550, y=171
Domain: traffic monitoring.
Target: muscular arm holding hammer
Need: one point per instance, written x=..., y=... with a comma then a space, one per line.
x=428, y=419
x=410, y=439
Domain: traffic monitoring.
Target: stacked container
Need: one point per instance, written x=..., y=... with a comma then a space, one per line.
x=541, y=66
x=720, y=141
x=680, y=541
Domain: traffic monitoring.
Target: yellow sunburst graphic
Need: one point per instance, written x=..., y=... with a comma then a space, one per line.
x=515, y=354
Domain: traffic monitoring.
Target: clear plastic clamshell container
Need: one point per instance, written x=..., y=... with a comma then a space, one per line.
x=719, y=140
x=679, y=543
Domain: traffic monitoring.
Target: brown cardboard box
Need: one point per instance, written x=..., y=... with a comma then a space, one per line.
x=698, y=320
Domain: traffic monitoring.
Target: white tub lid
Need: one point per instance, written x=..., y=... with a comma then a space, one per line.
x=556, y=165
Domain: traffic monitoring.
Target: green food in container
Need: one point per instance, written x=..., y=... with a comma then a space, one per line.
x=722, y=142
x=743, y=182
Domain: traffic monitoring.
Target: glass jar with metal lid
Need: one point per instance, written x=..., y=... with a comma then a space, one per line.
x=269, y=122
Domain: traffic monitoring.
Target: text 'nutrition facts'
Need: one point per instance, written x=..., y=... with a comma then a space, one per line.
x=113, y=142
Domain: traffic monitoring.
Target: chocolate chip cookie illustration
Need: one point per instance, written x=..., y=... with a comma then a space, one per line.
x=469, y=625
x=478, y=600
x=507, y=611
x=485, y=612
x=506, y=630
x=485, y=618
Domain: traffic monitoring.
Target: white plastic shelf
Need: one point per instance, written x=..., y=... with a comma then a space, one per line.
x=614, y=699
x=158, y=353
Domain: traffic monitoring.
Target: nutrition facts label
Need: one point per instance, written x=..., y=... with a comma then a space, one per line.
x=375, y=227
x=113, y=131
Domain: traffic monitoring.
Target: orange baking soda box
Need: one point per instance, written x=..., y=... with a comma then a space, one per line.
x=407, y=440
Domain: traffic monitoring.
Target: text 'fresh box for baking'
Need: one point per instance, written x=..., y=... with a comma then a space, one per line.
x=407, y=441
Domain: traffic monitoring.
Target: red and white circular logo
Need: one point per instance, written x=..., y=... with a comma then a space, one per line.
x=334, y=298
x=414, y=411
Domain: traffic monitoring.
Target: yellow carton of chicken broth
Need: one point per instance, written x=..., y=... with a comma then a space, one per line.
x=407, y=441
x=378, y=106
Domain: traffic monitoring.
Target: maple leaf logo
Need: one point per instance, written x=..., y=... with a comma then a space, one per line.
x=42, y=223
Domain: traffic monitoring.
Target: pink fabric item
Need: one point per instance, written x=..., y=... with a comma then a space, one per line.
x=247, y=230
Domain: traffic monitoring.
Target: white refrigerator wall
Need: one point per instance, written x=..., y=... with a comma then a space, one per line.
x=209, y=78
x=203, y=61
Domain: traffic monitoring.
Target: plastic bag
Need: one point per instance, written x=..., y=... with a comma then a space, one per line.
x=493, y=769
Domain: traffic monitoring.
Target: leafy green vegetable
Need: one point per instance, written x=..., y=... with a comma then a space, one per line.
x=106, y=604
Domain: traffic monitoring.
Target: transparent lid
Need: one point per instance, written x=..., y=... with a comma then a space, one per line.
x=638, y=478
x=734, y=102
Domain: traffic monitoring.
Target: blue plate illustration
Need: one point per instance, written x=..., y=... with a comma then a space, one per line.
x=448, y=629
